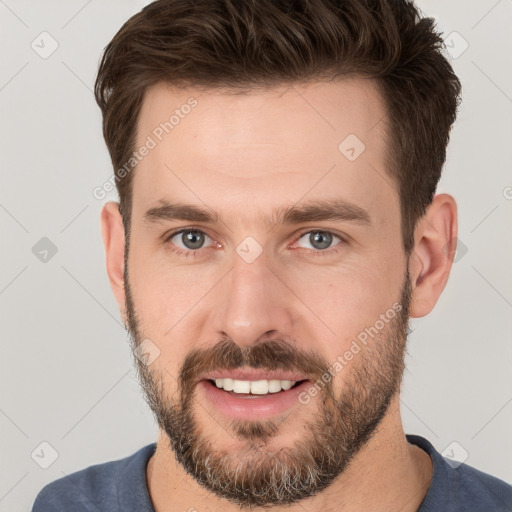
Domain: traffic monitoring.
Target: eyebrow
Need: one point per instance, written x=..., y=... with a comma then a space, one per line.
x=311, y=211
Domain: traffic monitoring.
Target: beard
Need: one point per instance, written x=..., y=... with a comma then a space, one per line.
x=255, y=475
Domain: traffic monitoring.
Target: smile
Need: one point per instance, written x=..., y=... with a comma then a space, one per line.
x=251, y=400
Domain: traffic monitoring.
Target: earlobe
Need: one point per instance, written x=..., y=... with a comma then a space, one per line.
x=112, y=232
x=433, y=254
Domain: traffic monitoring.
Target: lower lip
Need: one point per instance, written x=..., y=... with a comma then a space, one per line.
x=252, y=407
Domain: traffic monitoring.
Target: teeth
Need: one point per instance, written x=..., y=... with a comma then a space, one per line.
x=227, y=384
x=256, y=387
x=286, y=384
x=241, y=386
x=274, y=386
x=259, y=387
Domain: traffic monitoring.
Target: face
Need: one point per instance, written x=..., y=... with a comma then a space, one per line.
x=292, y=271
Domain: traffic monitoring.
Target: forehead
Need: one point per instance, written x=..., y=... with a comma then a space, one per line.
x=263, y=148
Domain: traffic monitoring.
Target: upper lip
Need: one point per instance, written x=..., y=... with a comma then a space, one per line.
x=253, y=374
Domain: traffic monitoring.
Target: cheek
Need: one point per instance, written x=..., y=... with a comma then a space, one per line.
x=166, y=299
x=165, y=291
x=349, y=297
x=350, y=301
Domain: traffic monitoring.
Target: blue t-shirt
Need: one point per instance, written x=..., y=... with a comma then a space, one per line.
x=120, y=486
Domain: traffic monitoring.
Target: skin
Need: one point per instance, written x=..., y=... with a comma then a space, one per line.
x=243, y=156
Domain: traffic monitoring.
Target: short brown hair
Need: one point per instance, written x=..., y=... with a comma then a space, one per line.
x=245, y=44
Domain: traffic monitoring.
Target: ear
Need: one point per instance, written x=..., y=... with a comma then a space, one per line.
x=432, y=257
x=112, y=232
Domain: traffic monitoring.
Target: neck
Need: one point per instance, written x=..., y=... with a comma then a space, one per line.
x=388, y=473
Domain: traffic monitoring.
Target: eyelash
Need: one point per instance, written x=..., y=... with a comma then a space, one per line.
x=198, y=252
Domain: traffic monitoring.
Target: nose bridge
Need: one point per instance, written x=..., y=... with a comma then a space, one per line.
x=253, y=301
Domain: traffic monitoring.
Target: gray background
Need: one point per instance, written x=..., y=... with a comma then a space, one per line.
x=66, y=375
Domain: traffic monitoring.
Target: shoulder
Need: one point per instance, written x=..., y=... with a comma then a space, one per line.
x=457, y=487
x=480, y=490
x=97, y=487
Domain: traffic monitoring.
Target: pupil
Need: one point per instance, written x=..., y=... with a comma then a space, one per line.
x=316, y=238
x=193, y=239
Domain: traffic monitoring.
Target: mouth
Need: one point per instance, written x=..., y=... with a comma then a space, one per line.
x=254, y=388
x=252, y=400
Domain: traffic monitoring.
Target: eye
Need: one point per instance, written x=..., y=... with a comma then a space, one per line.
x=320, y=240
x=191, y=241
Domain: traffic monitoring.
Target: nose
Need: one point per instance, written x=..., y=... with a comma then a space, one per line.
x=253, y=303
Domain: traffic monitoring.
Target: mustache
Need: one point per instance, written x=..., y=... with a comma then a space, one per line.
x=270, y=355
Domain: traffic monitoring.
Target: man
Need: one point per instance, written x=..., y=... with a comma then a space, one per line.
x=276, y=164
